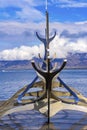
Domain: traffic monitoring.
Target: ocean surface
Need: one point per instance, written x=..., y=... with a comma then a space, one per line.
x=11, y=81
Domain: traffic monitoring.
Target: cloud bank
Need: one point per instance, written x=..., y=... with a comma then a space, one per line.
x=60, y=45
x=15, y=34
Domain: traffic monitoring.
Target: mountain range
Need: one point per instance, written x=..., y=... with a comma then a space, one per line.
x=74, y=60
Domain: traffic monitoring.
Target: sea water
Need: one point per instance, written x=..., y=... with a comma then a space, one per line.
x=12, y=81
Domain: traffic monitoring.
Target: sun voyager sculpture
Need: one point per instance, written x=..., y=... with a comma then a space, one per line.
x=48, y=97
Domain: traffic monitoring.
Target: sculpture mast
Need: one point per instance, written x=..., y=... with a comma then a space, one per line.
x=47, y=59
x=47, y=27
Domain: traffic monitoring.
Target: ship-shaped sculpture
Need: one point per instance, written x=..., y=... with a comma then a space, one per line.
x=48, y=97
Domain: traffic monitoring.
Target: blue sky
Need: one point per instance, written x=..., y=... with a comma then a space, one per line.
x=20, y=19
x=60, y=10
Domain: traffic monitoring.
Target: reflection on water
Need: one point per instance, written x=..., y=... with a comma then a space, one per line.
x=33, y=120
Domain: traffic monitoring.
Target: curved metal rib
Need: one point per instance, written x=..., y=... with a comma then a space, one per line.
x=44, y=39
x=53, y=68
x=58, y=70
x=63, y=100
x=50, y=39
x=40, y=38
x=28, y=87
x=43, y=61
x=74, y=94
x=41, y=72
x=35, y=100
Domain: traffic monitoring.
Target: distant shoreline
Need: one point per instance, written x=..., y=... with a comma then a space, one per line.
x=3, y=70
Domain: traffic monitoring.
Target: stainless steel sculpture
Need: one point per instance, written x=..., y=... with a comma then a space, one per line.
x=46, y=98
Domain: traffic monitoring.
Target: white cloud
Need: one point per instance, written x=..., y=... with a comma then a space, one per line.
x=63, y=46
x=25, y=10
x=17, y=34
x=20, y=3
x=21, y=53
x=79, y=46
x=70, y=3
x=71, y=27
x=17, y=28
x=30, y=14
x=82, y=22
x=60, y=46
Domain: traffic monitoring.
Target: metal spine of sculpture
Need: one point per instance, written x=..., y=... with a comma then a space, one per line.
x=46, y=96
x=45, y=71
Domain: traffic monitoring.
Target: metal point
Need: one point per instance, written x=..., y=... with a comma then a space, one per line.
x=46, y=4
